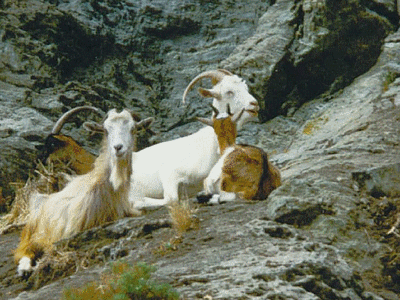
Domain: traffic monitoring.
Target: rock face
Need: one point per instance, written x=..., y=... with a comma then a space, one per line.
x=326, y=76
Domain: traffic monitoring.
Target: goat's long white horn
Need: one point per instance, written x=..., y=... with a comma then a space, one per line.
x=215, y=75
x=63, y=119
x=205, y=121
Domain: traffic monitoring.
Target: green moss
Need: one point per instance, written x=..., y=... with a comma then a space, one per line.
x=124, y=282
x=389, y=78
x=314, y=125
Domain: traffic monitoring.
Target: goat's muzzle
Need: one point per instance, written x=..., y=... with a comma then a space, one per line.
x=119, y=150
x=253, y=109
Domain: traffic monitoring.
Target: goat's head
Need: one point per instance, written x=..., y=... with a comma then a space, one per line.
x=59, y=147
x=119, y=129
x=227, y=89
x=224, y=125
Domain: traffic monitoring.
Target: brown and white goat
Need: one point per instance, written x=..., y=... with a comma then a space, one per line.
x=59, y=148
x=88, y=200
x=243, y=170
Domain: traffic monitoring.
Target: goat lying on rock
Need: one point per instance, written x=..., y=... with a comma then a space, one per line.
x=88, y=200
x=159, y=170
x=242, y=170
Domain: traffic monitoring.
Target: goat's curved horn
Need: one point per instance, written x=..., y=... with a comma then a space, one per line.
x=63, y=119
x=215, y=75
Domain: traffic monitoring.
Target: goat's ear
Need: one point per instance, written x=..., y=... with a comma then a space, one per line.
x=93, y=127
x=208, y=122
x=209, y=93
x=144, y=123
x=135, y=116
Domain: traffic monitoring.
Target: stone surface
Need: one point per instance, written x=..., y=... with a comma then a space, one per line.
x=380, y=181
x=333, y=97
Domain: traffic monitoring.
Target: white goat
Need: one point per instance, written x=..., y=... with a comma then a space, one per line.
x=243, y=170
x=88, y=200
x=159, y=170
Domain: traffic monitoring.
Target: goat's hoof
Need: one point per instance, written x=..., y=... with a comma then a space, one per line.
x=24, y=268
x=216, y=199
x=202, y=197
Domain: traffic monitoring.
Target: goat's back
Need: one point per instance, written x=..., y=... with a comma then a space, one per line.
x=190, y=158
x=248, y=172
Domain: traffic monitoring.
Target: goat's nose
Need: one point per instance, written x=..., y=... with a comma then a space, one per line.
x=118, y=147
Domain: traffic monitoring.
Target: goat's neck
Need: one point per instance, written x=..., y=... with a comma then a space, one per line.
x=121, y=171
x=225, y=141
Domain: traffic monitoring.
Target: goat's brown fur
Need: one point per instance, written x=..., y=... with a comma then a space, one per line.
x=226, y=133
x=246, y=170
x=243, y=161
x=73, y=155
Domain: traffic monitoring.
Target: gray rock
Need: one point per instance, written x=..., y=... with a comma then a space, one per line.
x=300, y=202
x=20, y=128
x=313, y=238
x=381, y=181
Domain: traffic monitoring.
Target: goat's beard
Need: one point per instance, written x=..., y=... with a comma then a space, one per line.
x=120, y=171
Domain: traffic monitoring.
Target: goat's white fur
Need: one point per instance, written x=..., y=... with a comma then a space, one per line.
x=159, y=170
x=212, y=182
x=88, y=200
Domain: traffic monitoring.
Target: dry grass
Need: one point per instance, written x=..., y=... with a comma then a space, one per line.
x=57, y=263
x=20, y=208
x=183, y=218
x=47, y=181
x=182, y=215
x=52, y=179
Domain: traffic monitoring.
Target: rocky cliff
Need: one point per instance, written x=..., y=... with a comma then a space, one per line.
x=326, y=76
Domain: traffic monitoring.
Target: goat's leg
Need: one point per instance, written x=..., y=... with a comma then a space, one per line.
x=171, y=193
x=149, y=202
x=226, y=197
x=139, y=201
x=171, y=187
x=206, y=195
x=27, y=252
x=229, y=194
x=212, y=187
x=211, y=183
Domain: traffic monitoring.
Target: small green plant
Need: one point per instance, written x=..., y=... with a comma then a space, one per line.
x=124, y=282
x=389, y=78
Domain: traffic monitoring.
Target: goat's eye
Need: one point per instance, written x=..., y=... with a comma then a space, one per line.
x=229, y=93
